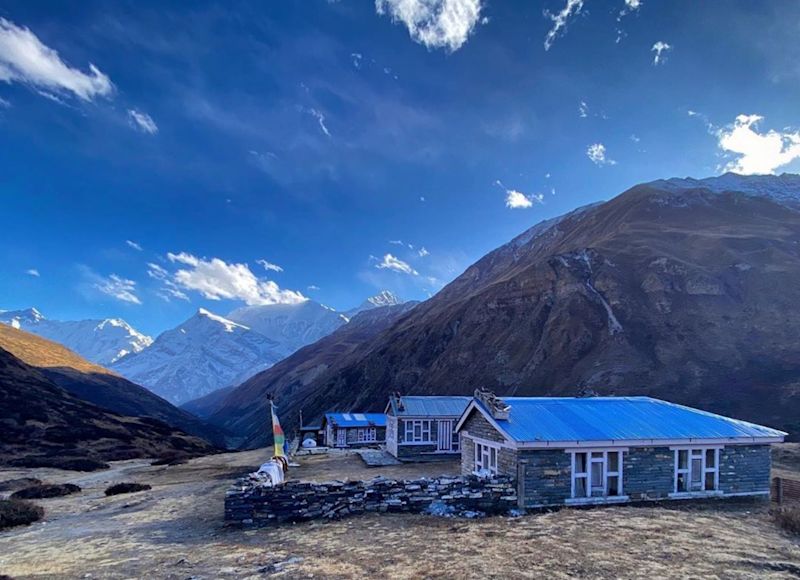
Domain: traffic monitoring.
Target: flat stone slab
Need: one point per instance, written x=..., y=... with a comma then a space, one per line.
x=377, y=458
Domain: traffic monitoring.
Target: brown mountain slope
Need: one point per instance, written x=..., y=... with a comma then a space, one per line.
x=39, y=419
x=688, y=294
x=245, y=411
x=98, y=385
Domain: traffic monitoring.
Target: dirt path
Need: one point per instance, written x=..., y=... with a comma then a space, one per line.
x=175, y=531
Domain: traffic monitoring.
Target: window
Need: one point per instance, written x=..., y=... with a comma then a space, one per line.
x=367, y=435
x=486, y=458
x=696, y=470
x=596, y=474
x=418, y=431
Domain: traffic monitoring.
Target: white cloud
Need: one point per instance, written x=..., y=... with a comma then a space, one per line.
x=435, y=23
x=169, y=290
x=518, y=200
x=33, y=272
x=357, y=58
x=134, y=245
x=422, y=252
x=118, y=287
x=583, y=110
x=24, y=59
x=269, y=266
x=216, y=279
x=758, y=153
x=390, y=262
x=142, y=121
x=597, y=153
x=572, y=8
x=321, y=120
x=660, y=48
x=312, y=288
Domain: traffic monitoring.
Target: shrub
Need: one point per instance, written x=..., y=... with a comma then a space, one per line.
x=119, y=488
x=45, y=490
x=169, y=460
x=19, y=483
x=788, y=518
x=68, y=463
x=18, y=513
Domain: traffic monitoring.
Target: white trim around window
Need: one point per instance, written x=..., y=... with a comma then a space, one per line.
x=486, y=457
x=417, y=431
x=696, y=472
x=596, y=476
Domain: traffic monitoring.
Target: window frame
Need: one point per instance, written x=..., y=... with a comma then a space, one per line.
x=688, y=471
x=492, y=454
x=366, y=435
x=425, y=429
x=586, y=475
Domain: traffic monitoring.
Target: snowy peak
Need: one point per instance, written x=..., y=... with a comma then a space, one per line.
x=205, y=353
x=100, y=341
x=783, y=189
x=383, y=298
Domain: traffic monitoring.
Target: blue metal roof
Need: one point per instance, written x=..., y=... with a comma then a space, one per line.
x=356, y=419
x=413, y=406
x=534, y=419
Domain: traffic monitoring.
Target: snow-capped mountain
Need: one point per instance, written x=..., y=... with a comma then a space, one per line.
x=205, y=353
x=784, y=188
x=383, y=298
x=101, y=341
x=292, y=326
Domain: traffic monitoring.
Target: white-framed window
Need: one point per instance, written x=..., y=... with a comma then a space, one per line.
x=486, y=458
x=418, y=431
x=696, y=469
x=367, y=435
x=596, y=474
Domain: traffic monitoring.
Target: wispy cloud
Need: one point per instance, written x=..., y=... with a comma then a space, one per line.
x=517, y=200
x=117, y=287
x=391, y=262
x=597, y=153
x=4, y=104
x=216, y=279
x=422, y=252
x=269, y=266
x=757, y=153
x=142, y=122
x=169, y=289
x=443, y=24
x=560, y=19
x=630, y=7
x=583, y=110
x=660, y=48
x=312, y=288
x=25, y=59
x=321, y=120
x=134, y=245
x=33, y=272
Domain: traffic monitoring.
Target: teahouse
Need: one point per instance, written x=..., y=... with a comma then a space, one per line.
x=592, y=450
x=422, y=428
x=354, y=429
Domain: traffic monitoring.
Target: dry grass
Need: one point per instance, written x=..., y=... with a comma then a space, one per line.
x=175, y=531
x=40, y=352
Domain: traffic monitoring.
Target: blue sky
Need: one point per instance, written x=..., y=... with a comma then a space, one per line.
x=155, y=156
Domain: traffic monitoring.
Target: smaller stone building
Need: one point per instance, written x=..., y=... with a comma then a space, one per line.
x=354, y=429
x=423, y=428
x=577, y=451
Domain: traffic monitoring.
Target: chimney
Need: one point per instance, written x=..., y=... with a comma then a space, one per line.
x=493, y=404
x=399, y=401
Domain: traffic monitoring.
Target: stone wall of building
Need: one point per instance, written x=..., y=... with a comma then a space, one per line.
x=546, y=476
x=745, y=469
x=648, y=473
x=248, y=502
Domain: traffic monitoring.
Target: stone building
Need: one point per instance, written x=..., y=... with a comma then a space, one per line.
x=423, y=428
x=594, y=450
x=354, y=429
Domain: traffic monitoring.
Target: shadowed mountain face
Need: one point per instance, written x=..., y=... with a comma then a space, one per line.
x=685, y=290
x=244, y=411
x=41, y=419
x=98, y=385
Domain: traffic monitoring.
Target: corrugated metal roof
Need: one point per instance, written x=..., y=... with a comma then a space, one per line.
x=431, y=406
x=618, y=419
x=356, y=419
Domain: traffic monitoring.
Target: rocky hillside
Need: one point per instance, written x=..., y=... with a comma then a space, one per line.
x=679, y=289
x=98, y=385
x=44, y=424
x=244, y=410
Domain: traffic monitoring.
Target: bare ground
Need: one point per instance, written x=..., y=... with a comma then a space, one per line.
x=176, y=531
